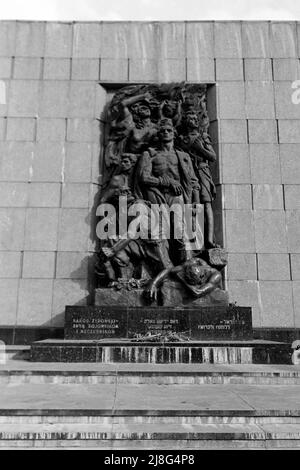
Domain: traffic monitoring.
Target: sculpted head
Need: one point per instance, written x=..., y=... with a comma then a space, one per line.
x=193, y=272
x=128, y=160
x=192, y=120
x=142, y=109
x=166, y=130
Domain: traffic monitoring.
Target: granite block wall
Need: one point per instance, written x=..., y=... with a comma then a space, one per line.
x=51, y=107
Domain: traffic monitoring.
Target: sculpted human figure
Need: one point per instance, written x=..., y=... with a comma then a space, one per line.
x=197, y=276
x=199, y=146
x=166, y=176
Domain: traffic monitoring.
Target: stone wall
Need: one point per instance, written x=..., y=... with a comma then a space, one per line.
x=50, y=103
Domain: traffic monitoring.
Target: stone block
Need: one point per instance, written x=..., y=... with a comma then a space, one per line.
x=27, y=67
x=290, y=163
x=200, y=70
x=10, y=265
x=258, y=69
x=268, y=197
x=233, y=131
x=262, y=131
x=170, y=38
x=38, y=265
x=82, y=101
x=7, y=38
x=217, y=257
x=35, y=300
x=273, y=267
x=293, y=230
x=241, y=266
x=171, y=70
x=259, y=100
x=21, y=129
x=85, y=69
x=30, y=39
x=57, y=69
x=296, y=299
x=3, y=122
x=116, y=70
x=228, y=39
x=87, y=40
x=9, y=300
x=5, y=67
x=4, y=88
x=231, y=100
x=72, y=265
x=48, y=163
x=286, y=69
x=289, y=131
x=55, y=99
x=52, y=130
x=58, y=39
x=295, y=266
x=246, y=293
x=235, y=166
x=284, y=97
x=78, y=162
x=74, y=230
x=12, y=222
x=41, y=229
x=256, y=39
x=16, y=159
x=200, y=39
x=292, y=196
x=44, y=195
x=229, y=69
x=237, y=196
x=23, y=98
x=276, y=304
x=75, y=195
x=115, y=41
x=265, y=164
x=283, y=39
x=239, y=231
x=67, y=292
x=13, y=194
x=83, y=130
x=270, y=231
x=142, y=37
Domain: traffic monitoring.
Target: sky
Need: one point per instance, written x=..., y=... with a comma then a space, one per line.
x=146, y=10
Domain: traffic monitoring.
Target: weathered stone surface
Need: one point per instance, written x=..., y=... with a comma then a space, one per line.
x=30, y=39
x=237, y=196
x=41, y=229
x=12, y=229
x=35, y=300
x=67, y=292
x=75, y=195
x=58, y=39
x=241, y=266
x=200, y=39
x=277, y=303
x=10, y=265
x=82, y=99
x=13, y=194
x=286, y=69
x=235, y=164
x=259, y=100
x=200, y=70
x=289, y=131
x=44, y=195
x=78, y=162
x=265, y=164
x=295, y=266
x=72, y=265
x=83, y=130
x=290, y=163
x=15, y=158
x=38, y=265
x=233, y=131
x=229, y=69
x=285, y=107
x=115, y=41
x=3, y=122
x=57, y=69
x=23, y=98
x=7, y=38
x=228, y=39
x=247, y=293
x=217, y=257
x=293, y=227
x=256, y=39
x=115, y=70
x=283, y=39
x=139, y=69
x=270, y=232
x=21, y=129
x=48, y=162
x=231, y=98
x=87, y=40
x=27, y=67
x=296, y=298
x=5, y=67
x=51, y=130
x=258, y=69
x=262, y=131
x=74, y=230
x=239, y=231
x=273, y=267
x=292, y=196
x=54, y=101
x=85, y=69
x=9, y=299
x=268, y=196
